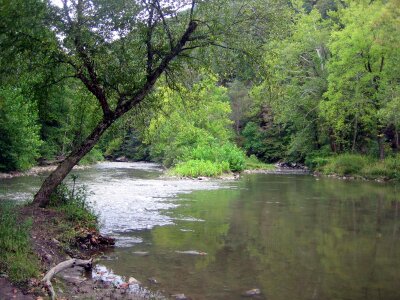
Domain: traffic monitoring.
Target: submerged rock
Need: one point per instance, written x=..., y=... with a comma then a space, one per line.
x=133, y=281
x=192, y=252
x=252, y=292
x=141, y=253
x=152, y=280
x=121, y=159
x=180, y=297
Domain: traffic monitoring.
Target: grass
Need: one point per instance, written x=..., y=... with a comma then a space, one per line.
x=197, y=168
x=17, y=259
x=360, y=166
x=72, y=202
x=252, y=163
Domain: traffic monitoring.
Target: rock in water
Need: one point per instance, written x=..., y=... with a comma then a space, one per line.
x=180, y=297
x=252, y=292
x=192, y=252
x=133, y=281
x=152, y=280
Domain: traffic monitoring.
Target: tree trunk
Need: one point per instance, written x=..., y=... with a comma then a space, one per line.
x=381, y=143
x=42, y=197
x=355, y=132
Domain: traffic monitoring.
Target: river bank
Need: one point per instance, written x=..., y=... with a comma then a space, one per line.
x=54, y=239
x=35, y=171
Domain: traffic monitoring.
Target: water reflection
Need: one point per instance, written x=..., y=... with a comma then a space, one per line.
x=292, y=237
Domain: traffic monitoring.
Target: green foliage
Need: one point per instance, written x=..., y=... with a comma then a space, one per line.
x=293, y=85
x=267, y=143
x=346, y=164
x=228, y=153
x=319, y=158
x=16, y=256
x=72, y=201
x=388, y=168
x=19, y=132
x=194, y=125
x=363, y=71
x=252, y=163
x=92, y=157
x=196, y=168
x=359, y=166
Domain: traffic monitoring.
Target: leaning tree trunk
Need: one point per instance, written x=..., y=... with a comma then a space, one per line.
x=42, y=197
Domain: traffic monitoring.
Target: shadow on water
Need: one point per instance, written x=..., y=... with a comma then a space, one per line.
x=293, y=237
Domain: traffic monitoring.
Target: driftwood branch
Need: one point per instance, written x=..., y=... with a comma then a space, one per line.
x=60, y=267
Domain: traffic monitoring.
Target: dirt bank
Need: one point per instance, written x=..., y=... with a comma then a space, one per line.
x=52, y=242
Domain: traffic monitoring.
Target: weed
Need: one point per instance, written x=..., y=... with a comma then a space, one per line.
x=73, y=203
x=16, y=256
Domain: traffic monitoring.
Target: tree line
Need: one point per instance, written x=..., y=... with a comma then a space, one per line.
x=190, y=82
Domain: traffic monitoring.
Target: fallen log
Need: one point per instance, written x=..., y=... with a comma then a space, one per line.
x=87, y=264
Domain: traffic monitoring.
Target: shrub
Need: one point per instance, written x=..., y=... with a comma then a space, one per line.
x=316, y=160
x=196, y=168
x=92, y=157
x=346, y=164
x=73, y=203
x=228, y=152
x=388, y=168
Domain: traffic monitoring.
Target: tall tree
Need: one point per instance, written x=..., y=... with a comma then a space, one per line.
x=118, y=50
x=363, y=73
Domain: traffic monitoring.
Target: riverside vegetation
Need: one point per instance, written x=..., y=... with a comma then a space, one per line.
x=202, y=87
x=23, y=231
x=293, y=99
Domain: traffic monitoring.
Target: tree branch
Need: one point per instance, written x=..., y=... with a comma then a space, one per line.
x=123, y=107
x=60, y=267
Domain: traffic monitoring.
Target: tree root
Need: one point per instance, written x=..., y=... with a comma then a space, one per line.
x=87, y=264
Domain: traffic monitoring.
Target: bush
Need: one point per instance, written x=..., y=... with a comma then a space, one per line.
x=73, y=203
x=316, y=160
x=388, y=168
x=346, y=164
x=92, y=157
x=228, y=152
x=16, y=256
x=196, y=168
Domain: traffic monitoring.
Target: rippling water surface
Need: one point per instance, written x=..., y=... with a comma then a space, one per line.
x=291, y=237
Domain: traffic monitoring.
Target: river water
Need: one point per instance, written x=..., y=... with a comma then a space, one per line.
x=292, y=237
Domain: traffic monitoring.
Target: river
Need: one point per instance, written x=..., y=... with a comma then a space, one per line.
x=291, y=237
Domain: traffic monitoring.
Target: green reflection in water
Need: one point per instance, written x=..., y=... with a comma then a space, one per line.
x=294, y=237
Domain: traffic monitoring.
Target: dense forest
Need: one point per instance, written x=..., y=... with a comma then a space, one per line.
x=295, y=81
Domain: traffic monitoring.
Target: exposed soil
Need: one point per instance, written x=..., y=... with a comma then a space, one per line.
x=9, y=291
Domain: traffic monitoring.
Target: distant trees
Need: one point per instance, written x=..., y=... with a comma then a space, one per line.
x=298, y=78
x=332, y=80
x=19, y=132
